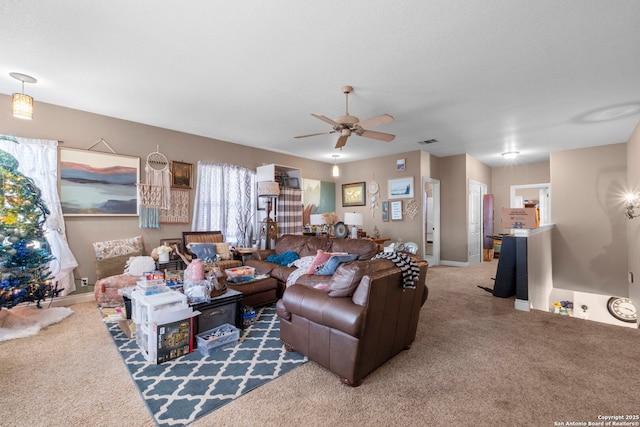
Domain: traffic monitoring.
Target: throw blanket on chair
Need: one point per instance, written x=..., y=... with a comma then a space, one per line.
x=410, y=270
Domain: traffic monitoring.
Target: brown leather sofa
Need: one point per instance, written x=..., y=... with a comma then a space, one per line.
x=353, y=335
x=307, y=246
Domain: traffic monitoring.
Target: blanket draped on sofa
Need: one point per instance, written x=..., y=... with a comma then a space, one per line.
x=410, y=270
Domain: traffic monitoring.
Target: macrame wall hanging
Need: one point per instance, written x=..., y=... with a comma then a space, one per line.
x=155, y=192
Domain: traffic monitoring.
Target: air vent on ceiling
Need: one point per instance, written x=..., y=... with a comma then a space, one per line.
x=428, y=141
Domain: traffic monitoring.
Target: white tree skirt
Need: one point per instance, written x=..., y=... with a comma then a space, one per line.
x=20, y=322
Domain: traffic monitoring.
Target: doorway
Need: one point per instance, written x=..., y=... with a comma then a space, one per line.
x=431, y=220
x=539, y=194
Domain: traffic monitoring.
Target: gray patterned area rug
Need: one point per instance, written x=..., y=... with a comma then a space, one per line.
x=184, y=389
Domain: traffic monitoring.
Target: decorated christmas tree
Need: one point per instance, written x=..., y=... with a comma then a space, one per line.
x=24, y=252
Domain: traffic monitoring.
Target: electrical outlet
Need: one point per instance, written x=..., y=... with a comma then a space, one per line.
x=84, y=281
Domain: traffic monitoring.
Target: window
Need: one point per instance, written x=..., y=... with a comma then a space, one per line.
x=225, y=200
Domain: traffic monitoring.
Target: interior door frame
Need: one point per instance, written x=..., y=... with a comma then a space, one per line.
x=434, y=258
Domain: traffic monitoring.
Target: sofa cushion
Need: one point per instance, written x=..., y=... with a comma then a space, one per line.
x=223, y=250
x=203, y=250
x=361, y=293
x=111, y=248
x=113, y=266
x=314, y=281
x=333, y=263
x=346, y=279
x=282, y=273
x=366, y=249
x=302, y=245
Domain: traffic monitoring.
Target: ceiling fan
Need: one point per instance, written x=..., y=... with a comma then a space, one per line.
x=347, y=124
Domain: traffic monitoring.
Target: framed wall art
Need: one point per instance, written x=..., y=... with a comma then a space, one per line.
x=353, y=194
x=396, y=210
x=385, y=210
x=94, y=183
x=290, y=182
x=181, y=175
x=401, y=188
x=400, y=165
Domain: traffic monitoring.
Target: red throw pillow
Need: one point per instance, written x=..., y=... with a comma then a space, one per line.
x=321, y=258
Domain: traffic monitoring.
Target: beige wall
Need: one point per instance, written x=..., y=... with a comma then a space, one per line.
x=503, y=178
x=382, y=169
x=633, y=225
x=81, y=130
x=453, y=209
x=589, y=241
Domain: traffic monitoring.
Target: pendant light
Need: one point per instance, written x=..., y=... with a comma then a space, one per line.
x=336, y=169
x=22, y=104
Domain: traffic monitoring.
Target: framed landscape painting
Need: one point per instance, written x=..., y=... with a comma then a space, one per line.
x=401, y=188
x=98, y=184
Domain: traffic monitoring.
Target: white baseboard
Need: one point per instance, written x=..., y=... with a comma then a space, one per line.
x=68, y=300
x=454, y=263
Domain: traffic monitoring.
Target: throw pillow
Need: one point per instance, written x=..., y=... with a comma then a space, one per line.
x=137, y=266
x=333, y=263
x=113, y=266
x=204, y=251
x=222, y=249
x=345, y=280
x=321, y=258
x=111, y=248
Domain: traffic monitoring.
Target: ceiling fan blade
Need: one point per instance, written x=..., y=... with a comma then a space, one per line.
x=342, y=141
x=315, y=134
x=387, y=137
x=376, y=121
x=325, y=119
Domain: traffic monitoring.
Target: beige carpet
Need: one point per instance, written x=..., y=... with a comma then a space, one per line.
x=476, y=362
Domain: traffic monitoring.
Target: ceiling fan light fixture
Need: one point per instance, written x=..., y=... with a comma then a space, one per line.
x=335, y=171
x=510, y=155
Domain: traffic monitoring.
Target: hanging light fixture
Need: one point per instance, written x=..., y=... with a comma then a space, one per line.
x=22, y=104
x=336, y=169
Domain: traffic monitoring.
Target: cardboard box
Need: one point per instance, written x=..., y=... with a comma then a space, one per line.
x=520, y=218
x=163, y=342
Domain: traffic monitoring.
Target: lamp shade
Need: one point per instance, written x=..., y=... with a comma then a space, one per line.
x=352, y=218
x=316, y=219
x=268, y=189
x=22, y=106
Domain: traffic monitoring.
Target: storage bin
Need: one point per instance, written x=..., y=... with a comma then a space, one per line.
x=218, y=338
x=240, y=273
x=151, y=287
x=158, y=307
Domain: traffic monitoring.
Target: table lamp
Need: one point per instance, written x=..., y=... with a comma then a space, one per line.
x=354, y=219
x=317, y=219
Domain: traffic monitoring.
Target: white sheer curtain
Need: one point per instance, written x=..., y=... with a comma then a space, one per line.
x=39, y=161
x=225, y=200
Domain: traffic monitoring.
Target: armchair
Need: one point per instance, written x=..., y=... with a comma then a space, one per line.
x=215, y=237
x=353, y=335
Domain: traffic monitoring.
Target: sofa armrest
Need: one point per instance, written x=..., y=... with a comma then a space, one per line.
x=317, y=306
